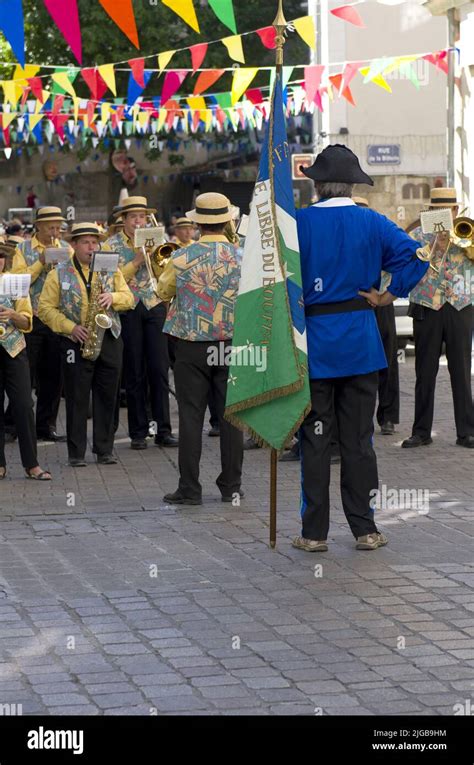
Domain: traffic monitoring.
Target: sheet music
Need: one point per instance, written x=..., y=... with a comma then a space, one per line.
x=106, y=261
x=56, y=254
x=15, y=285
x=436, y=221
x=149, y=237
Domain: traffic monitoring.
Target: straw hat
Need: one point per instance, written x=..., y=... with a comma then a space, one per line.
x=360, y=201
x=181, y=222
x=14, y=240
x=443, y=197
x=135, y=204
x=49, y=214
x=86, y=229
x=211, y=208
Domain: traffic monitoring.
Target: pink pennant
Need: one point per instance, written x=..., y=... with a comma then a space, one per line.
x=198, y=53
x=254, y=95
x=318, y=101
x=172, y=83
x=312, y=80
x=438, y=60
x=267, y=36
x=348, y=13
x=66, y=17
x=96, y=84
x=59, y=120
x=137, y=65
x=196, y=119
x=350, y=71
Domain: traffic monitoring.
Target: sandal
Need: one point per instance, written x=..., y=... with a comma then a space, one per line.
x=3, y=472
x=45, y=475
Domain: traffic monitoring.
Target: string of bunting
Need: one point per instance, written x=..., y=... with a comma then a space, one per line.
x=239, y=108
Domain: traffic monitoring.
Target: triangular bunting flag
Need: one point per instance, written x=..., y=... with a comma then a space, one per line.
x=137, y=65
x=348, y=13
x=306, y=30
x=33, y=120
x=206, y=79
x=185, y=9
x=350, y=71
x=234, y=47
x=312, y=80
x=66, y=17
x=11, y=24
x=224, y=11
x=267, y=36
x=196, y=102
x=198, y=53
x=62, y=79
x=172, y=83
x=107, y=72
x=7, y=118
x=377, y=80
x=377, y=66
x=164, y=59
x=95, y=83
x=121, y=12
x=36, y=85
x=242, y=79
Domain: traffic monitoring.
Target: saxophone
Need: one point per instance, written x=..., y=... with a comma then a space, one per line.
x=96, y=323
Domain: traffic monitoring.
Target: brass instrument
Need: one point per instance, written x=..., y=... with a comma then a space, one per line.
x=157, y=256
x=97, y=322
x=3, y=331
x=464, y=229
x=230, y=232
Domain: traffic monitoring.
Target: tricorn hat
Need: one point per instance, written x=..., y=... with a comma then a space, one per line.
x=86, y=229
x=336, y=164
x=211, y=208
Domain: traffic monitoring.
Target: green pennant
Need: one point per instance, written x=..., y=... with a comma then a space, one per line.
x=224, y=100
x=224, y=11
x=71, y=75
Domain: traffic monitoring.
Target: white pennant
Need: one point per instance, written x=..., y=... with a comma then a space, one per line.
x=8, y=153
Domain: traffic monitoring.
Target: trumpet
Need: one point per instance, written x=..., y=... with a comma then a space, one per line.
x=464, y=229
x=156, y=255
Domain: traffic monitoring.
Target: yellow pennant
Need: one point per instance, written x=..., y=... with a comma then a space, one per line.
x=162, y=114
x=378, y=80
x=107, y=72
x=164, y=59
x=33, y=120
x=399, y=62
x=75, y=102
x=207, y=118
x=105, y=110
x=11, y=91
x=143, y=119
x=61, y=79
x=307, y=30
x=241, y=81
x=185, y=9
x=197, y=102
x=234, y=47
x=8, y=118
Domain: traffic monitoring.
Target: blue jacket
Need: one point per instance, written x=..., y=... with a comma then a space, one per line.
x=343, y=250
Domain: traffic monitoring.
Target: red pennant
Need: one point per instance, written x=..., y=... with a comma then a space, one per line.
x=438, y=60
x=254, y=95
x=267, y=36
x=220, y=116
x=59, y=120
x=36, y=85
x=206, y=79
x=198, y=53
x=137, y=65
x=57, y=103
x=96, y=84
x=90, y=111
x=348, y=13
x=6, y=135
x=26, y=92
x=196, y=119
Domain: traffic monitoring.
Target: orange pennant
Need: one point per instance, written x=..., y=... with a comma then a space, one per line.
x=121, y=12
x=206, y=79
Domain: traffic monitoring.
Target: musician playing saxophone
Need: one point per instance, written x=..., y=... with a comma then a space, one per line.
x=64, y=307
x=146, y=357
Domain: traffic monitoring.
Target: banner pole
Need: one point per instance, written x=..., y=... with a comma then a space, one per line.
x=280, y=25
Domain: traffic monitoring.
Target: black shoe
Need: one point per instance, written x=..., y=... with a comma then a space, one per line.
x=292, y=456
x=466, y=441
x=387, y=428
x=138, y=443
x=229, y=498
x=213, y=432
x=410, y=443
x=106, y=459
x=77, y=463
x=176, y=498
x=51, y=435
x=250, y=444
x=166, y=440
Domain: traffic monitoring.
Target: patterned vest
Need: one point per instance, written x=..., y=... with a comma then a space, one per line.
x=207, y=283
x=13, y=340
x=31, y=256
x=140, y=283
x=71, y=297
x=452, y=284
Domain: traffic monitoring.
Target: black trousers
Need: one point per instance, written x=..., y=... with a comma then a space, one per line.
x=389, y=386
x=15, y=382
x=194, y=378
x=351, y=400
x=80, y=377
x=455, y=328
x=44, y=355
x=146, y=356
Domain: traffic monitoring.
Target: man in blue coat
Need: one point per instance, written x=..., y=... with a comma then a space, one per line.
x=343, y=250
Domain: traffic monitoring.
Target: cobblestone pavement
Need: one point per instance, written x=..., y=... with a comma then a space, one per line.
x=112, y=602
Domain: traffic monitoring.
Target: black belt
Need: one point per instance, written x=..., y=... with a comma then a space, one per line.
x=355, y=304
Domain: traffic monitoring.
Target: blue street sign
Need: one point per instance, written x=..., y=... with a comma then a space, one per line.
x=383, y=154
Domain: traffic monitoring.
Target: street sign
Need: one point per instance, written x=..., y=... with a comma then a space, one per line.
x=300, y=159
x=383, y=154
